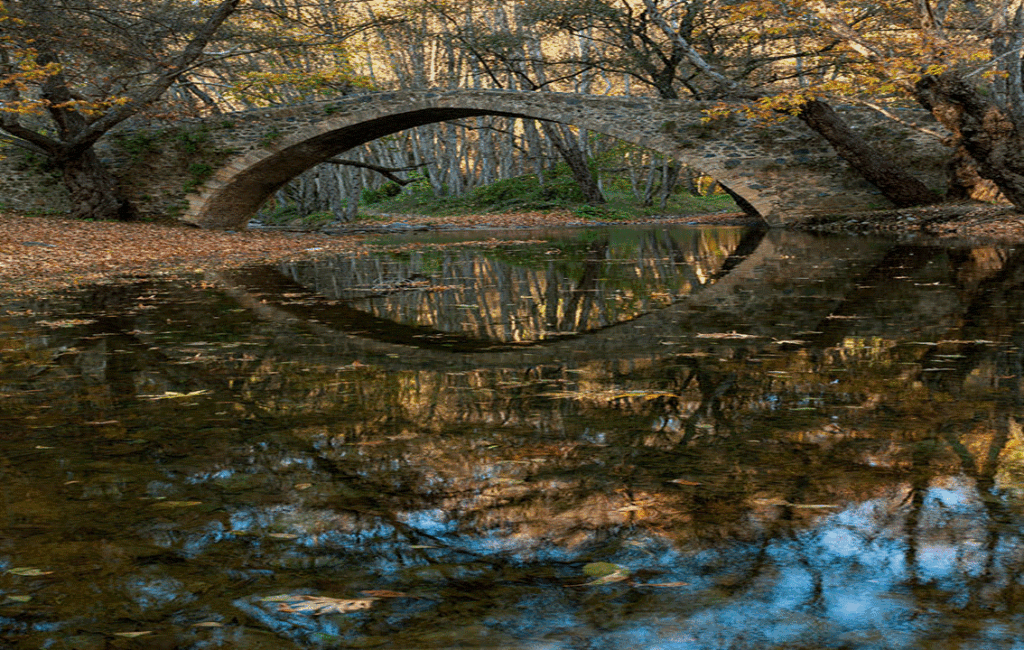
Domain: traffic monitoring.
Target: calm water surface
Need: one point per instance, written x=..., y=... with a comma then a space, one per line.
x=671, y=439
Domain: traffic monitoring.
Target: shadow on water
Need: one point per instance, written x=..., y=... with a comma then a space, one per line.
x=650, y=438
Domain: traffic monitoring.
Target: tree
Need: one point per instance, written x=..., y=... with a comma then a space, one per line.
x=895, y=183
x=960, y=60
x=72, y=70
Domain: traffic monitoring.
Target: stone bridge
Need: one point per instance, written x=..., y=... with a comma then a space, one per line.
x=783, y=170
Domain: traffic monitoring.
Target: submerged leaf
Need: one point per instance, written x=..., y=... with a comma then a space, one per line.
x=18, y=598
x=601, y=569
x=318, y=605
x=605, y=572
x=176, y=395
x=28, y=571
x=617, y=576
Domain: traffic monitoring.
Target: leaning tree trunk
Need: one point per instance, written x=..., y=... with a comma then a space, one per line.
x=984, y=130
x=577, y=162
x=92, y=190
x=877, y=168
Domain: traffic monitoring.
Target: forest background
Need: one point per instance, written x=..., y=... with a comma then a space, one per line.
x=74, y=72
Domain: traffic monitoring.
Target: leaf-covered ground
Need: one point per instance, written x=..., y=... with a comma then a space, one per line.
x=45, y=253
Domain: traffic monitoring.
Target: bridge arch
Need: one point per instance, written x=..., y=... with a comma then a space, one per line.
x=765, y=165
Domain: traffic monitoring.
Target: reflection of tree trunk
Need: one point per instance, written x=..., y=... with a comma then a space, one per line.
x=884, y=173
x=914, y=502
x=575, y=316
x=712, y=388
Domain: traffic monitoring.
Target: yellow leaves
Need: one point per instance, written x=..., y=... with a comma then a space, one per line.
x=306, y=82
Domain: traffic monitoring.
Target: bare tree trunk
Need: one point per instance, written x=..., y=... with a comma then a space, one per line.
x=964, y=182
x=884, y=173
x=577, y=162
x=93, y=190
x=985, y=131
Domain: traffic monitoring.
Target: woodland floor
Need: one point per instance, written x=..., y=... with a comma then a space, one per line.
x=39, y=254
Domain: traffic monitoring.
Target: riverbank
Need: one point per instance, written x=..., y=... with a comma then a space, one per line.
x=983, y=223
x=46, y=253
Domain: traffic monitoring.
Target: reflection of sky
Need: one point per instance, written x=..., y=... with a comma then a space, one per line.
x=843, y=581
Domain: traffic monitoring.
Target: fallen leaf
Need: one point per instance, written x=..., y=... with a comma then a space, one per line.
x=605, y=572
x=28, y=571
x=683, y=481
x=132, y=635
x=176, y=395
x=319, y=605
x=18, y=598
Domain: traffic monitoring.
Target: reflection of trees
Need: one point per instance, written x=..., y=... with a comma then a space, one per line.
x=529, y=293
x=792, y=479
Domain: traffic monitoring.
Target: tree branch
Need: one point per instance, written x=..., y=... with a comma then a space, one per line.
x=188, y=56
x=386, y=172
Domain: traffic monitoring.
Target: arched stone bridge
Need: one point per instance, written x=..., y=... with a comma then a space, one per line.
x=783, y=170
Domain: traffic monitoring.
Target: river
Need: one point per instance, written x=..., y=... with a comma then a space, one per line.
x=661, y=438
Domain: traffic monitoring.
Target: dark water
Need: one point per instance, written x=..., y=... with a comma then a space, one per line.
x=664, y=439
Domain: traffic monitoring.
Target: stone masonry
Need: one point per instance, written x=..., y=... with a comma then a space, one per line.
x=784, y=170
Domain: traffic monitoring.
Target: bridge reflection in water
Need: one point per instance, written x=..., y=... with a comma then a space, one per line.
x=803, y=443
x=527, y=293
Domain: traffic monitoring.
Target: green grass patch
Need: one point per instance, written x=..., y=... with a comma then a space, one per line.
x=528, y=194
